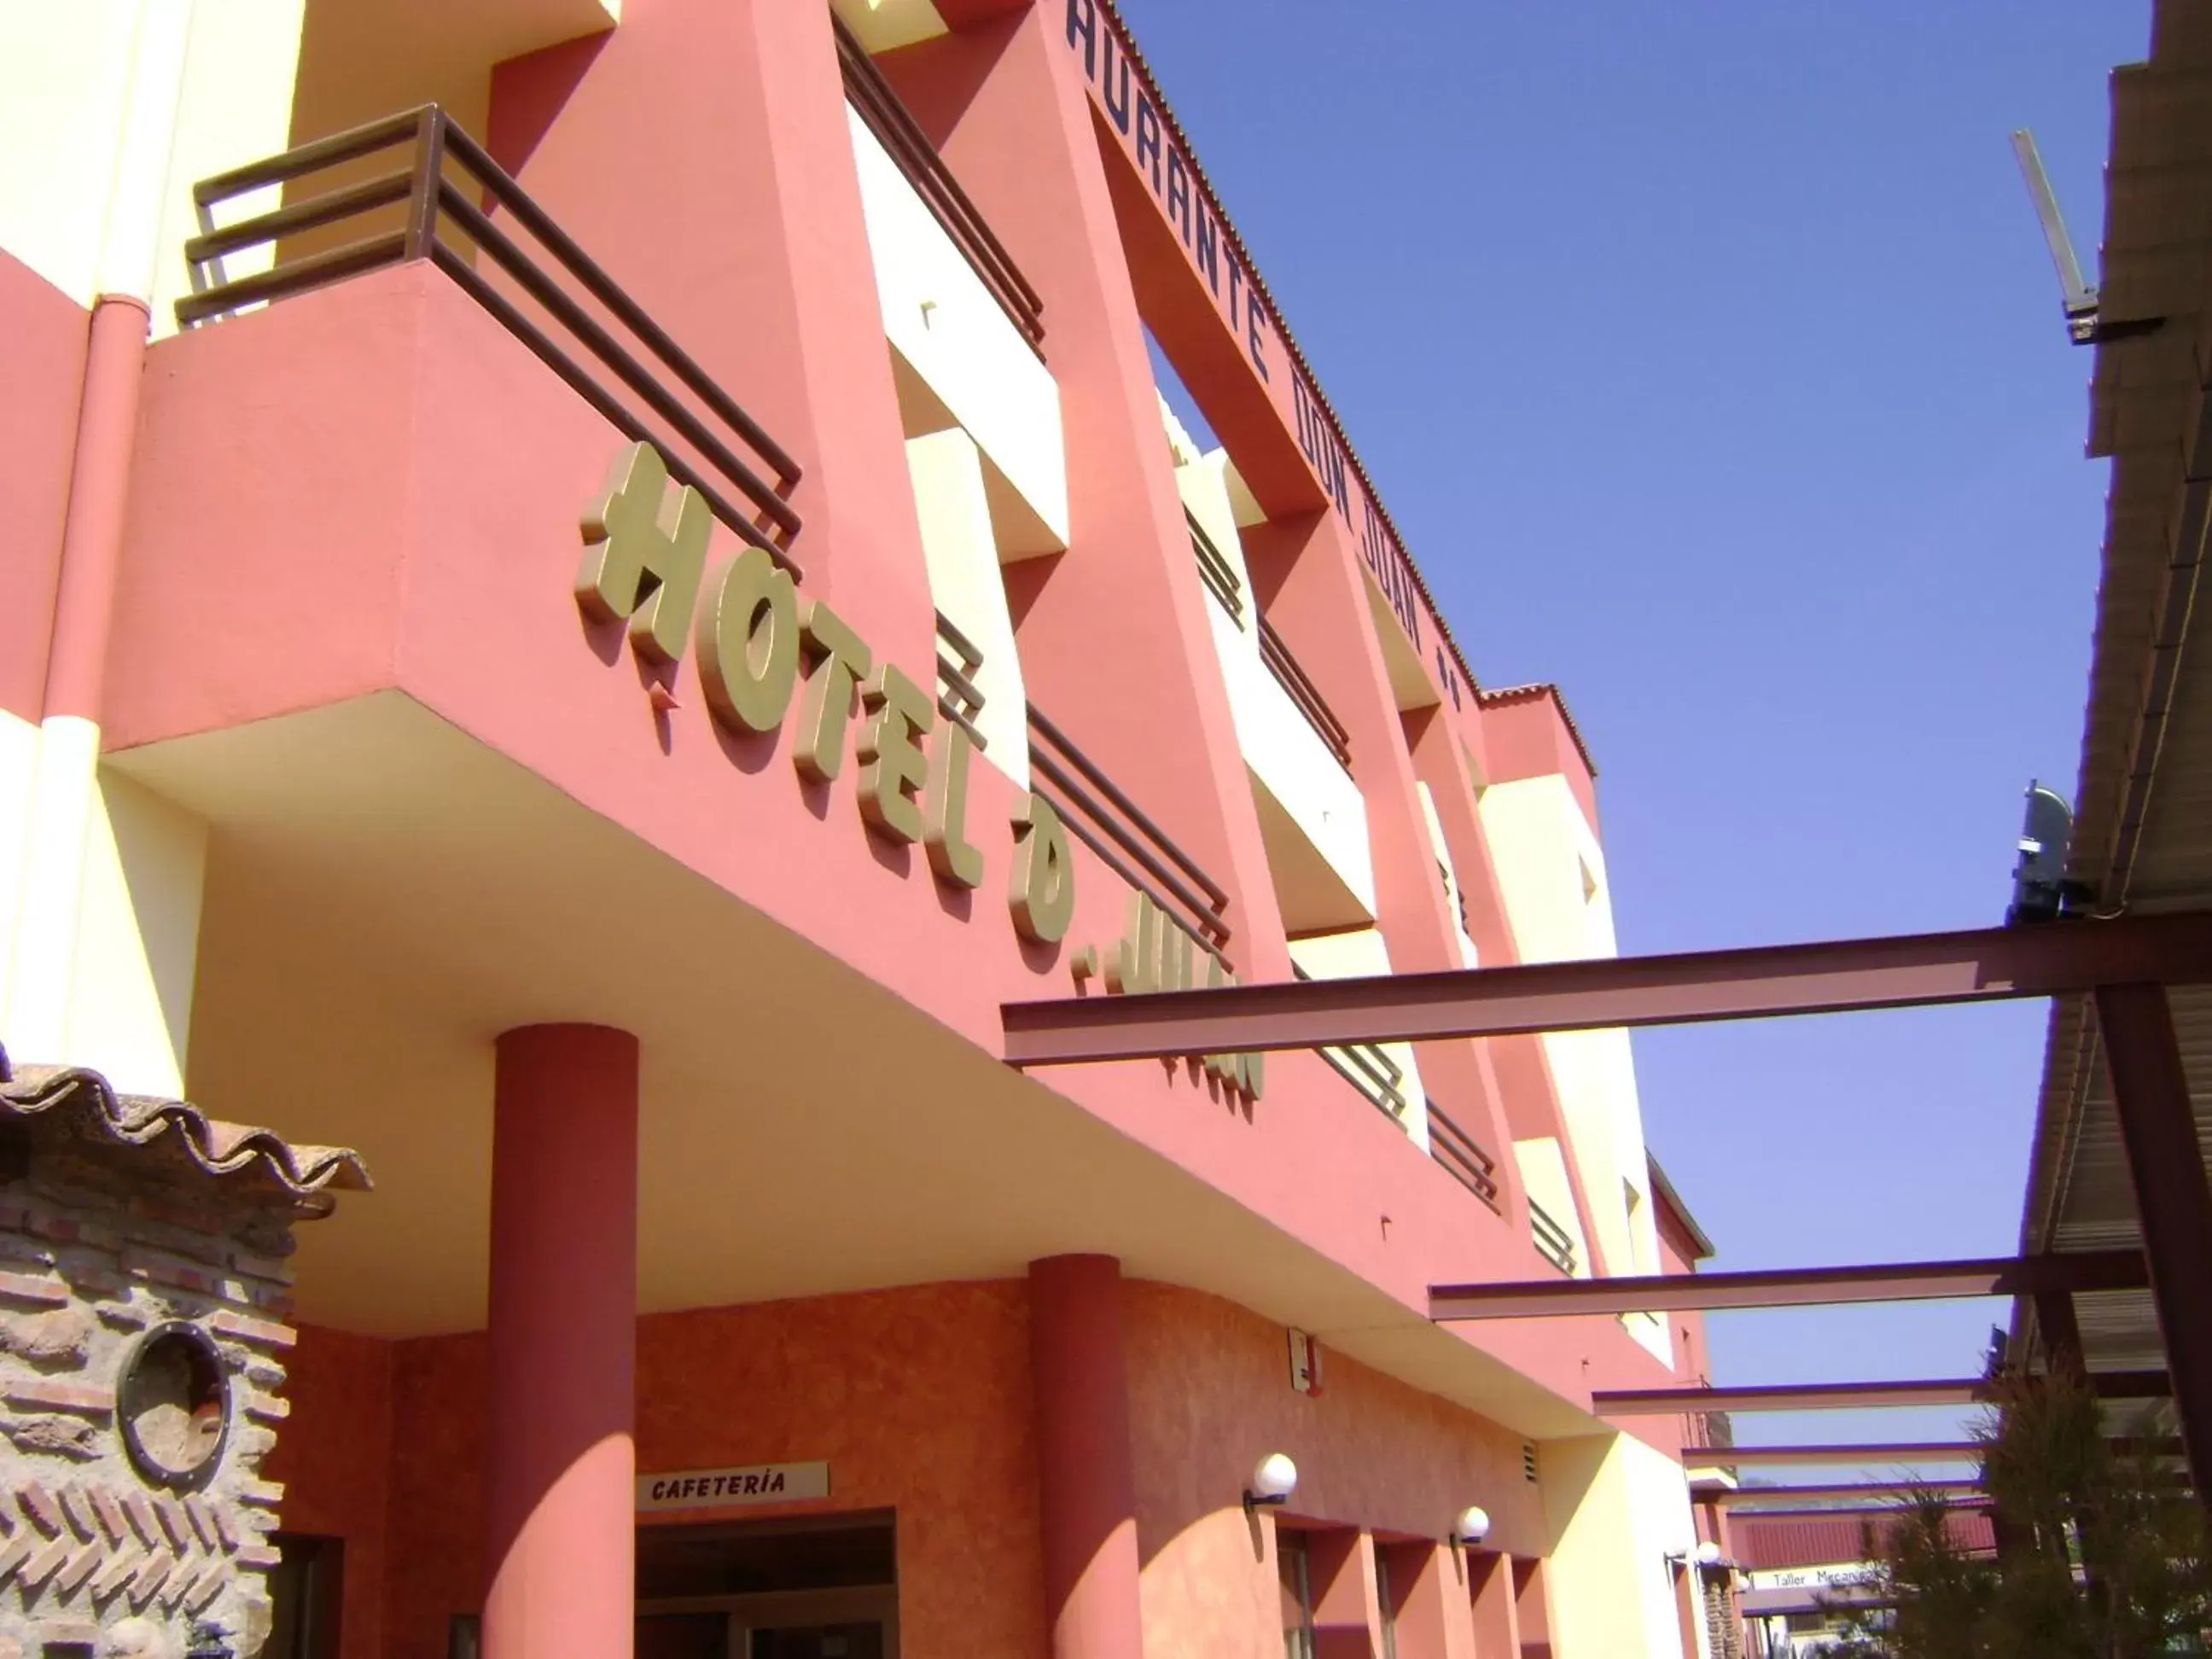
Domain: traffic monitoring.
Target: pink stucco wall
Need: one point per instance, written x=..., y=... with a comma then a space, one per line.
x=42, y=346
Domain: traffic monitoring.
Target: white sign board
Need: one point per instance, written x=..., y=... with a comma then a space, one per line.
x=752, y=1483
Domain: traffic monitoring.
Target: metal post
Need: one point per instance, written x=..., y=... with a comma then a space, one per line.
x=2061, y=1331
x=2150, y=1095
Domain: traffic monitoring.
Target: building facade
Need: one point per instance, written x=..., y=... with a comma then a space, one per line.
x=591, y=592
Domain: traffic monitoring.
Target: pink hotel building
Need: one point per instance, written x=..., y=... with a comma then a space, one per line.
x=589, y=589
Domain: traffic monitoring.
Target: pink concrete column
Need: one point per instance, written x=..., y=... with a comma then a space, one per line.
x=1087, y=1480
x=559, y=1459
x=100, y=487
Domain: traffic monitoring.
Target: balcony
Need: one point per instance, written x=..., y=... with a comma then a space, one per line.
x=1296, y=748
x=965, y=326
x=438, y=222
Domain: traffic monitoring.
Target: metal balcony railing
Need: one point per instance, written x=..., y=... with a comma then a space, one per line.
x=1463, y=1157
x=1215, y=570
x=958, y=661
x=908, y=147
x=1554, y=1243
x=1104, y=818
x=1305, y=694
x=1369, y=1069
x=441, y=223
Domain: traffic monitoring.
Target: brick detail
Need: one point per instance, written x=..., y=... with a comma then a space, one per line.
x=15, y=1554
x=191, y=1219
x=260, y=1557
x=111, y=1515
x=67, y=1633
x=40, y=1567
x=267, y=1406
x=41, y=1289
x=41, y=1506
x=77, y=1568
x=149, y=1577
x=204, y=1589
x=141, y=1514
x=260, y=1332
x=76, y=1505
x=202, y=1516
x=226, y=1527
x=120, y=1565
x=263, y=1494
x=44, y=1393
x=171, y=1515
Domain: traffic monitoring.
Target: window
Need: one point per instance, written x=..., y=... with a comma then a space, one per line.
x=1296, y=1566
x=1387, y=1603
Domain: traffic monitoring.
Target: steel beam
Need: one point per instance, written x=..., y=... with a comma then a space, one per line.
x=1879, y=1453
x=1872, y=1492
x=1873, y=1454
x=1835, y=1396
x=1794, y=1287
x=2158, y=1126
x=1830, y=977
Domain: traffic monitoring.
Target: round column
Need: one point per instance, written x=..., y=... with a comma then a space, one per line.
x=1087, y=1480
x=560, y=1463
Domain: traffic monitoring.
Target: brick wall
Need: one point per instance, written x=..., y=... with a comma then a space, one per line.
x=105, y=1247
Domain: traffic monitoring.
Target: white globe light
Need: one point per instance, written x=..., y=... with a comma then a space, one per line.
x=1275, y=1479
x=1473, y=1525
x=1709, y=1554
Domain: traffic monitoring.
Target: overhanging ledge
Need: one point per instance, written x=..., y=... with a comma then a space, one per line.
x=1833, y=976
x=1794, y=1287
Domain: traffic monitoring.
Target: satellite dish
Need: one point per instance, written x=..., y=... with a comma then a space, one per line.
x=2040, y=891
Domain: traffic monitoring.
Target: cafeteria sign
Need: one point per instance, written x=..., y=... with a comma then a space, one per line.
x=752, y=1483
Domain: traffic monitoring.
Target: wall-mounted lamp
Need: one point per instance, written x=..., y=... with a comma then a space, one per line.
x=1273, y=1482
x=1471, y=1525
x=1707, y=1554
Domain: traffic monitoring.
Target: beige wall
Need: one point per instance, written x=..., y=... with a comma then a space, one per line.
x=1551, y=870
x=85, y=200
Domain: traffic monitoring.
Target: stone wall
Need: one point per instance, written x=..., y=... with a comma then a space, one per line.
x=144, y=1301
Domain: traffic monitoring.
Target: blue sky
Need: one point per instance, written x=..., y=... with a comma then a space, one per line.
x=1709, y=361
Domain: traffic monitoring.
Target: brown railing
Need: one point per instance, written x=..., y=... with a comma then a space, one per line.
x=898, y=132
x=1099, y=814
x=958, y=698
x=1554, y=1243
x=1368, y=1068
x=435, y=208
x=1215, y=570
x=1303, y=692
x=1465, y=1160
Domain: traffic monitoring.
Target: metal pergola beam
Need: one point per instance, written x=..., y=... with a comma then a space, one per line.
x=1872, y=1454
x=2173, y=1198
x=1794, y=1287
x=1831, y=977
x=1825, y=1491
x=1836, y=1396
x=1875, y=1454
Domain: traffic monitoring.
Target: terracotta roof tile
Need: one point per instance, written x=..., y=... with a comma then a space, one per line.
x=86, y=1099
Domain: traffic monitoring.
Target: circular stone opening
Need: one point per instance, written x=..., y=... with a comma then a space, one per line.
x=174, y=1404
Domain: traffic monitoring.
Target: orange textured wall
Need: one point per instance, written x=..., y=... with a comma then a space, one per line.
x=1210, y=1394
x=918, y=1397
x=333, y=1455
x=920, y=1400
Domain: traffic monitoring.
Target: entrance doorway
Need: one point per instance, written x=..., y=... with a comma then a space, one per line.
x=823, y=1588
